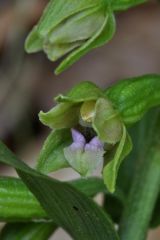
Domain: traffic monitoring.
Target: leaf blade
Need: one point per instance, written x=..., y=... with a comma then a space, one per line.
x=67, y=207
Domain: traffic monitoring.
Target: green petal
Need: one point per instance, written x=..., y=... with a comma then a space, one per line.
x=79, y=27
x=116, y=157
x=34, y=42
x=61, y=116
x=59, y=10
x=84, y=91
x=52, y=157
x=105, y=33
x=106, y=122
x=54, y=52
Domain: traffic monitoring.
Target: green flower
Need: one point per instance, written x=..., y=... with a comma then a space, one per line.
x=73, y=28
x=86, y=109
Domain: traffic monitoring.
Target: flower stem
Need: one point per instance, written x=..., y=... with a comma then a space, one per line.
x=142, y=198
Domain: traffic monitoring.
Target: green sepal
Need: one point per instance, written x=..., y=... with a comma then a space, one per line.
x=84, y=91
x=119, y=152
x=34, y=42
x=120, y=5
x=58, y=11
x=133, y=97
x=78, y=27
x=51, y=157
x=101, y=37
x=106, y=122
x=61, y=116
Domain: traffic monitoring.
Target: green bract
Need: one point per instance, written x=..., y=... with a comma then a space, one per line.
x=73, y=27
x=85, y=107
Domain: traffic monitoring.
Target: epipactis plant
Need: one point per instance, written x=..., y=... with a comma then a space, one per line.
x=79, y=140
x=74, y=27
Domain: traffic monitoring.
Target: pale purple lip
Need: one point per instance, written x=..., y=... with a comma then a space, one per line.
x=79, y=142
x=82, y=156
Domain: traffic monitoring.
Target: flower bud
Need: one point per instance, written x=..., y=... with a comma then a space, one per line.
x=71, y=28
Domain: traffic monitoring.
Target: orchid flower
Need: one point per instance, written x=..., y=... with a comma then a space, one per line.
x=87, y=130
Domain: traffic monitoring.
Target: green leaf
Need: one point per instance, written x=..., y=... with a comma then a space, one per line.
x=15, y=195
x=106, y=122
x=110, y=171
x=51, y=157
x=146, y=182
x=114, y=205
x=27, y=231
x=13, y=186
x=104, y=34
x=142, y=135
x=141, y=138
x=66, y=206
x=17, y=202
x=119, y=5
x=61, y=116
x=84, y=91
x=135, y=96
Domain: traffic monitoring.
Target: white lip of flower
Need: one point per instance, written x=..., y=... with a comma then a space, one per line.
x=84, y=157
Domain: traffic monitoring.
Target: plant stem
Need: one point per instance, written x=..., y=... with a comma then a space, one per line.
x=142, y=198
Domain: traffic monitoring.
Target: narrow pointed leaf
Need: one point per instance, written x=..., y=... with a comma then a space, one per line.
x=66, y=206
x=15, y=195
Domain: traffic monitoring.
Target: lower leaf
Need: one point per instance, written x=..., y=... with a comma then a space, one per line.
x=66, y=206
x=29, y=231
